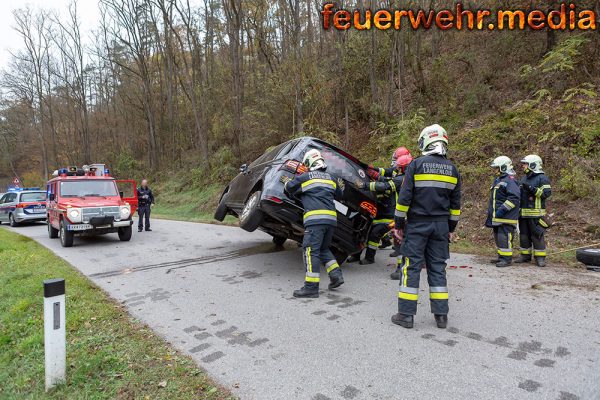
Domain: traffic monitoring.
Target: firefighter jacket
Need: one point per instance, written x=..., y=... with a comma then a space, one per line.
x=430, y=192
x=535, y=189
x=505, y=197
x=387, y=194
x=145, y=196
x=317, y=191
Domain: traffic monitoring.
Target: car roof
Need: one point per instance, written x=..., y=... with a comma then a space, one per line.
x=79, y=178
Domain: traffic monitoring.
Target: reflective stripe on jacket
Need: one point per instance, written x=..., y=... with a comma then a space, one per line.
x=317, y=191
x=533, y=203
x=387, y=196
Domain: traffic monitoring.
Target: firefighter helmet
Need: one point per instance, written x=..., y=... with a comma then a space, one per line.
x=313, y=160
x=534, y=163
x=503, y=163
x=403, y=161
x=432, y=134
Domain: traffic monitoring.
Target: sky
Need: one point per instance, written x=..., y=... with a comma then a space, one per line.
x=10, y=40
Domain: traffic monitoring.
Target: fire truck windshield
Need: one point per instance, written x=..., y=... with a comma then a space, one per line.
x=88, y=188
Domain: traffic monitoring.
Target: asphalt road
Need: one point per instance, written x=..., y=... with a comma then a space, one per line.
x=223, y=296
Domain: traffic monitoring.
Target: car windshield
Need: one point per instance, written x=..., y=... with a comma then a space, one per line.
x=88, y=188
x=33, y=196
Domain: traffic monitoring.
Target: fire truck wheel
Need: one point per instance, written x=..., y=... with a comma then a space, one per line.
x=251, y=216
x=52, y=231
x=125, y=233
x=66, y=237
x=11, y=221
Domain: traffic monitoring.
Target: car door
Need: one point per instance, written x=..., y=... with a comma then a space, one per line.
x=9, y=205
x=3, y=213
x=128, y=192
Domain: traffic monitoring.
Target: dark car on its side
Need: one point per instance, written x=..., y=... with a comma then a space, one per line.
x=257, y=198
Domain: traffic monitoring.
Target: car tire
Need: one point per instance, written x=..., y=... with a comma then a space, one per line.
x=251, y=216
x=222, y=210
x=52, y=231
x=589, y=257
x=66, y=237
x=125, y=233
x=279, y=240
x=12, y=222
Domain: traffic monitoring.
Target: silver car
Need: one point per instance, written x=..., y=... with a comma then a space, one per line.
x=23, y=206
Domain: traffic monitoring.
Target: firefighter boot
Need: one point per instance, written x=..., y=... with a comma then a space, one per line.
x=523, y=259
x=307, y=292
x=405, y=321
x=369, y=257
x=441, y=320
x=385, y=242
x=353, y=258
x=494, y=260
x=503, y=262
x=540, y=261
x=336, y=279
x=396, y=274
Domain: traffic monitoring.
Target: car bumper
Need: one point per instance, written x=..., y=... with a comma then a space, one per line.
x=23, y=217
x=90, y=227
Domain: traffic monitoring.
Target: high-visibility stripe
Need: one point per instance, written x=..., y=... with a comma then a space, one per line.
x=372, y=186
x=327, y=214
x=539, y=192
x=308, y=260
x=543, y=223
x=372, y=245
x=323, y=181
x=311, y=279
x=382, y=171
x=400, y=214
x=400, y=207
x=436, y=177
x=533, y=212
x=408, y=296
x=505, y=252
x=525, y=252
x=454, y=212
x=392, y=185
x=545, y=187
x=438, y=296
x=539, y=253
x=382, y=221
x=505, y=221
x=331, y=265
x=509, y=204
x=435, y=184
x=438, y=289
x=410, y=290
x=404, y=272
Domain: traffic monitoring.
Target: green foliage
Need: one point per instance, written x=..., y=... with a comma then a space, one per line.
x=579, y=179
x=126, y=165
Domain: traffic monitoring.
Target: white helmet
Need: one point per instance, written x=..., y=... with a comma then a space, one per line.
x=432, y=134
x=534, y=163
x=503, y=163
x=314, y=160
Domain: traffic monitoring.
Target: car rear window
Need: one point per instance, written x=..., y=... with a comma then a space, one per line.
x=339, y=165
x=33, y=196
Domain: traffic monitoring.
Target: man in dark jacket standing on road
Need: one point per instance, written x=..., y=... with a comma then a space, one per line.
x=535, y=189
x=145, y=200
x=427, y=212
x=503, y=209
x=317, y=190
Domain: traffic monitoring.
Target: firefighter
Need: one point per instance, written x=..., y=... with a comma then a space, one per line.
x=317, y=190
x=427, y=213
x=145, y=200
x=535, y=189
x=503, y=209
x=376, y=172
x=386, y=190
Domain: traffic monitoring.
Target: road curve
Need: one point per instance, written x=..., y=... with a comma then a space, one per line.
x=223, y=296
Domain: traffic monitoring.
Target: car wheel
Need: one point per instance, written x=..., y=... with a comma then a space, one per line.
x=11, y=221
x=52, y=231
x=125, y=233
x=279, y=240
x=221, y=211
x=66, y=237
x=251, y=216
x=590, y=257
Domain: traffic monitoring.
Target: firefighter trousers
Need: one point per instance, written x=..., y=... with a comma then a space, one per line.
x=425, y=242
x=503, y=236
x=531, y=234
x=316, y=243
x=378, y=230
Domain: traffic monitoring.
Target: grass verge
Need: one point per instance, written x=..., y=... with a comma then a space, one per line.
x=109, y=355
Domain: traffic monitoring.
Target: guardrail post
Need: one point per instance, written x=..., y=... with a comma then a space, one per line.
x=55, y=352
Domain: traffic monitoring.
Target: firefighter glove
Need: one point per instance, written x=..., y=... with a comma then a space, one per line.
x=373, y=172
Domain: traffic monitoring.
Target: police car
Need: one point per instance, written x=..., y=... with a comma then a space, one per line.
x=23, y=205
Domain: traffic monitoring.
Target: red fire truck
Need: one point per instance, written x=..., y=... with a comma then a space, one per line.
x=88, y=201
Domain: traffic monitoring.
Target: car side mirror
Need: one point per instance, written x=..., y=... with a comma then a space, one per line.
x=244, y=168
x=121, y=194
x=51, y=197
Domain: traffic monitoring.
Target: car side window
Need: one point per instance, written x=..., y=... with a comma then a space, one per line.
x=3, y=199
